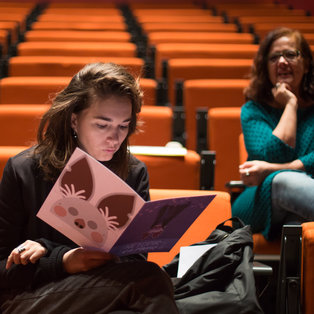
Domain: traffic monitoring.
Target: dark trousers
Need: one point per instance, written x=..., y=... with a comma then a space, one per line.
x=126, y=287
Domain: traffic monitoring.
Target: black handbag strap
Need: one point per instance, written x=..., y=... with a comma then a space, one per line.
x=222, y=230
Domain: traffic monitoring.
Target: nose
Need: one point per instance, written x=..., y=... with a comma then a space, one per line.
x=113, y=136
x=282, y=59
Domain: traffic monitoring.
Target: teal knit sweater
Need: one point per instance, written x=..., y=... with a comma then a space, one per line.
x=258, y=121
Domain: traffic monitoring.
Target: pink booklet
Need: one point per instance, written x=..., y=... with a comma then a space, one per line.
x=96, y=209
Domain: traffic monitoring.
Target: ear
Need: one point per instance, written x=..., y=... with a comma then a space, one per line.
x=74, y=122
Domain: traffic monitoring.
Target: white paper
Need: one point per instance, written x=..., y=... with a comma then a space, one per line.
x=158, y=150
x=189, y=255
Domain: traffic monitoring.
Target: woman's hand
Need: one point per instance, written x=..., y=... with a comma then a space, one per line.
x=80, y=260
x=283, y=95
x=29, y=251
x=255, y=171
x=286, y=128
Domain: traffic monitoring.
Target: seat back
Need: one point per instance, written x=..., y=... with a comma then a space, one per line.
x=39, y=89
x=65, y=65
x=211, y=93
x=224, y=128
x=64, y=35
x=88, y=49
x=196, y=50
x=169, y=172
x=19, y=124
x=212, y=68
x=151, y=119
x=307, y=272
x=242, y=149
x=217, y=211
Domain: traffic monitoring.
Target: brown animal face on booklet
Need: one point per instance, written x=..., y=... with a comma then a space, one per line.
x=75, y=209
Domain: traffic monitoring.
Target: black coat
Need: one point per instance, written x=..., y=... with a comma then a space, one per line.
x=22, y=192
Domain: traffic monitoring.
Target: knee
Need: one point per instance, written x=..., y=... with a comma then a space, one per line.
x=151, y=276
x=283, y=181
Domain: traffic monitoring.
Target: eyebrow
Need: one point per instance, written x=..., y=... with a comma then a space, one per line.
x=110, y=120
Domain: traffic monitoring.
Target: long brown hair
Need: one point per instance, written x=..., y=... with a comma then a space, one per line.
x=260, y=85
x=55, y=137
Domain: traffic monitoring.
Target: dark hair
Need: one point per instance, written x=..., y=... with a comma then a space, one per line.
x=260, y=85
x=55, y=137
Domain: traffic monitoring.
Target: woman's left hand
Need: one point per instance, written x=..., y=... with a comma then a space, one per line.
x=29, y=251
x=254, y=172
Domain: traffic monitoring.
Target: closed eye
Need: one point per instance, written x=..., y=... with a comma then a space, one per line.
x=101, y=126
x=124, y=127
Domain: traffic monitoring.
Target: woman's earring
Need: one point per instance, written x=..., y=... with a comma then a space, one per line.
x=74, y=135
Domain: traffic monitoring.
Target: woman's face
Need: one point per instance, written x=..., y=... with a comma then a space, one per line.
x=102, y=127
x=287, y=68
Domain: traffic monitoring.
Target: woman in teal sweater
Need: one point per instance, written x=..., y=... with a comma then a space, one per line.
x=278, y=127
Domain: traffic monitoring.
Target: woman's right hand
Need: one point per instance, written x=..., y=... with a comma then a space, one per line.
x=80, y=260
x=283, y=95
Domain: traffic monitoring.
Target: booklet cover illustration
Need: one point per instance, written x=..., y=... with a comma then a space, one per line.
x=96, y=209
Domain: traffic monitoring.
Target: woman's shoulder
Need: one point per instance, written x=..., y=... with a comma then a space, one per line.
x=24, y=161
x=136, y=163
x=253, y=109
x=251, y=105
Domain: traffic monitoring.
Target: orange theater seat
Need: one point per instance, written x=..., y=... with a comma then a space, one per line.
x=248, y=22
x=307, y=273
x=189, y=69
x=61, y=17
x=156, y=126
x=168, y=172
x=151, y=27
x=12, y=27
x=224, y=128
x=155, y=38
x=30, y=90
x=4, y=41
x=262, y=29
x=89, y=49
x=310, y=38
x=232, y=13
x=197, y=18
x=196, y=50
x=19, y=124
x=166, y=11
x=217, y=211
x=63, y=35
x=87, y=9
x=209, y=94
x=65, y=65
x=80, y=26
x=39, y=89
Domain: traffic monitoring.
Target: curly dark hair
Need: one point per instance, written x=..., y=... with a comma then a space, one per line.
x=260, y=85
x=56, y=142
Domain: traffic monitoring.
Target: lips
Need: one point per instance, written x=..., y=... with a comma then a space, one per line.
x=284, y=74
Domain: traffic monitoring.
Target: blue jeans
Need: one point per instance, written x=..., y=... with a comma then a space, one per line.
x=292, y=198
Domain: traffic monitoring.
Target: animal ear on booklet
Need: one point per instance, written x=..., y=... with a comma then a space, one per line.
x=78, y=179
x=119, y=206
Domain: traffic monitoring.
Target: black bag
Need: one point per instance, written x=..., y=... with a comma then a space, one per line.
x=221, y=281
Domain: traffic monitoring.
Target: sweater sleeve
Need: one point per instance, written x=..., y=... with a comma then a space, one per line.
x=13, y=225
x=257, y=126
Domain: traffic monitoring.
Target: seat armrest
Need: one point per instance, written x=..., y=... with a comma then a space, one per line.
x=235, y=187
